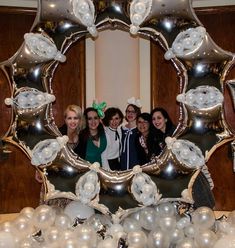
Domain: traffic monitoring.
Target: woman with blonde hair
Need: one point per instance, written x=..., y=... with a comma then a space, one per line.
x=74, y=123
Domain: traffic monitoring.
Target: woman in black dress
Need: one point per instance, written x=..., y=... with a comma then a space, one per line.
x=161, y=127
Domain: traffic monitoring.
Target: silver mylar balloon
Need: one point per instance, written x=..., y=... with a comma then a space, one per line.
x=64, y=22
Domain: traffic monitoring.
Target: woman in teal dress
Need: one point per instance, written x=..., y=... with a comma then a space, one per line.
x=92, y=139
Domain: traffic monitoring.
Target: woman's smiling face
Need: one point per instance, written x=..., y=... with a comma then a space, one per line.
x=93, y=120
x=115, y=121
x=130, y=114
x=159, y=121
x=72, y=120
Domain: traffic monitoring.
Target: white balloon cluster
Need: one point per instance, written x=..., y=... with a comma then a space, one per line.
x=30, y=98
x=46, y=151
x=202, y=97
x=43, y=47
x=151, y=227
x=84, y=10
x=87, y=187
x=186, y=152
x=186, y=42
x=139, y=10
x=144, y=189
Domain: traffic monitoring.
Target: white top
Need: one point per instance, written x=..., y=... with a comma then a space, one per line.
x=113, y=147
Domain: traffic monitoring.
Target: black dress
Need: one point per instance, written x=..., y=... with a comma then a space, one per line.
x=73, y=146
x=156, y=141
x=142, y=150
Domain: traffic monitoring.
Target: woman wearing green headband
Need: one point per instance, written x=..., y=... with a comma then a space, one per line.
x=92, y=139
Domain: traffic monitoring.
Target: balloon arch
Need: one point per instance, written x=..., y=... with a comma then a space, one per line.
x=176, y=175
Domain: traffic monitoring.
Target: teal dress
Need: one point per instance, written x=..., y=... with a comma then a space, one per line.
x=93, y=153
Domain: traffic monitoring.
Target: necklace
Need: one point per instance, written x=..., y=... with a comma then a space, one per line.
x=95, y=137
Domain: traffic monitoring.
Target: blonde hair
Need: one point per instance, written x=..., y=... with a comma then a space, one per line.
x=78, y=111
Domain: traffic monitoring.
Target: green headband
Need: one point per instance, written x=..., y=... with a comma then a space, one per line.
x=100, y=108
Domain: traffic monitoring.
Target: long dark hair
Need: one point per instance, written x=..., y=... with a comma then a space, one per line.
x=169, y=123
x=156, y=136
x=86, y=131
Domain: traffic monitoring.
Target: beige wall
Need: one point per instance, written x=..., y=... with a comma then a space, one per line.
x=117, y=68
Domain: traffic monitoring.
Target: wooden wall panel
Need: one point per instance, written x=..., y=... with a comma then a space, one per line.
x=18, y=187
x=219, y=23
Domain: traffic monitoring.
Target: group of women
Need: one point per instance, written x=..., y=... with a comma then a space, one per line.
x=112, y=143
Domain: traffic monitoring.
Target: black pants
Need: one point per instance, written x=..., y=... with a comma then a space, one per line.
x=114, y=164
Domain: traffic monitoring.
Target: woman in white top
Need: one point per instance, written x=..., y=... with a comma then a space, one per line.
x=111, y=156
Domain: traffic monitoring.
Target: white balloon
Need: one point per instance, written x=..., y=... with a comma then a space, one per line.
x=231, y=217
x=52, y=234
x=7, y=240
x=22, y=100
x=169, y=55
x=76, y=209
x=137, y=19
x=185, y=152
x=148, y=218
x=83, y=7
x=86, y=234
x=89, y=187
x=140, y=180
x=23, y=226
x=167, y=209
x=188, y=43
x=167, y=224
x=107, y=243
x=178, y=48
x=183, y=222
x=140, y=8
x=131, y=224
x=43, y=217
x=63, y=221
x=158, y=239
x=205, y=239
x=136, y=239
x=47, y=152
x=203, y=217
x=190, y=230
x=186, y=243
x=227, y=241
x=176, y=236
x=190, y=98
x=28, y=212
x=134, y=29
x=87, y=19
x=147, y=189
x=73, y=243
